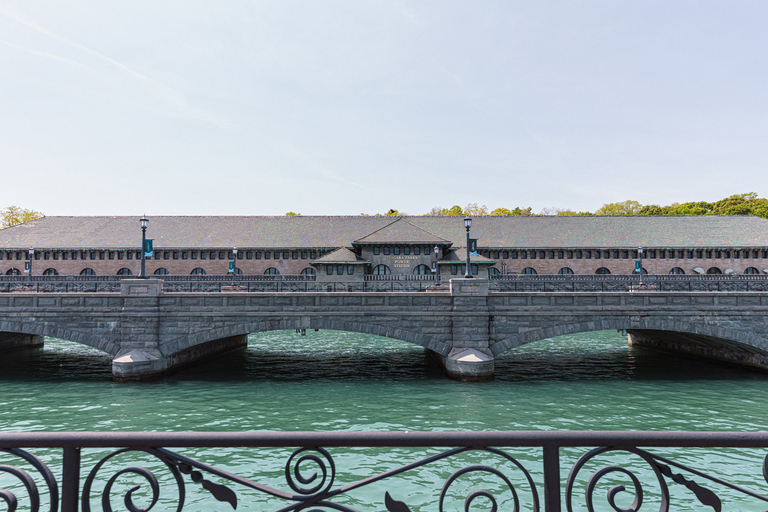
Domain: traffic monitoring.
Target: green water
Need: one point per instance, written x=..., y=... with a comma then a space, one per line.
x=350, y=382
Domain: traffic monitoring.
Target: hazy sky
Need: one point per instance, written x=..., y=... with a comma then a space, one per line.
x=342, y=107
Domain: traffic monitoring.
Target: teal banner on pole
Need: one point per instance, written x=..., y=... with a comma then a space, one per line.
x=148, y=252
x=231, y=267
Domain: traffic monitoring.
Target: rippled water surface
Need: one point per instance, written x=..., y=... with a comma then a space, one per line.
x=350, y=382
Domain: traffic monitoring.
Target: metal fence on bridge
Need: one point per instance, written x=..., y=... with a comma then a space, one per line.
x=422, y=470
x=304, y=283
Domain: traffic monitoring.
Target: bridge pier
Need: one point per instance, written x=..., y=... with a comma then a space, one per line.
x=142, y=355
x=470, y=358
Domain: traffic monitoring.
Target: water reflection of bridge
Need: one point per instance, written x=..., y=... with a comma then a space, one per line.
x=152, y=326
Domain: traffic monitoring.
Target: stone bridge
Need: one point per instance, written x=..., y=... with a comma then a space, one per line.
x=464, y=325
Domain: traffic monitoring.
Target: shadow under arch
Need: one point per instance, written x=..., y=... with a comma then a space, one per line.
x=190, y=342
x=692, y=338
x=60, y=332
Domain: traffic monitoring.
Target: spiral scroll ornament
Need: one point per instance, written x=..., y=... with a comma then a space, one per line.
x=660, y=470
x=296, y=472
x=28, y=481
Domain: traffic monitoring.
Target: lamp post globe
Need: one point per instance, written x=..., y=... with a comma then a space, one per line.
x=437, y=265
x=467, y=225
x=143, y=222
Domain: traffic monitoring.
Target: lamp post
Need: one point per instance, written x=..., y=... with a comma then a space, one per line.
x=640, y=270
x=31, y=255
x=234, y=264
x=144, y=221
x=437, y=265
x=467, y=225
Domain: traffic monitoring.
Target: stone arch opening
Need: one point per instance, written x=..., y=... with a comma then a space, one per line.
x=692, y=338
x=293, y=323
x=14, y=330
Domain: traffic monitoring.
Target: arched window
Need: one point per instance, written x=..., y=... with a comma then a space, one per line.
x=13, y=272
x=421, y=270
x=602, y=271
x=528, y=270
x=493, y=272
x=271, y=271
x=50, y=272
x=565, y=271
x=309, y=271
x=162, y=272
x=714, y=270
x=381, y=270
x=87, y=272
x=677, y=270
x=197, y=272
x=124, y=272
x=751, y=270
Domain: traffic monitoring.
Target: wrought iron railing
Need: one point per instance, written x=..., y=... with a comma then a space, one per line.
x=329, y=470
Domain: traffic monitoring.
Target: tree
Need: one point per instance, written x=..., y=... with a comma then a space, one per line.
x=14, y=215
x=628, y=207
x=507, y=211
x=292, y=214
x=474, y=210
x=572, y=212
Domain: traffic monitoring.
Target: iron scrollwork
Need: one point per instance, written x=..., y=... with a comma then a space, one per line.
x=662, y=469
x=28, y=481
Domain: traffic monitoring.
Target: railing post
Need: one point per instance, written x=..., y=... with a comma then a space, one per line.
x=551, y=457
x=70, y=482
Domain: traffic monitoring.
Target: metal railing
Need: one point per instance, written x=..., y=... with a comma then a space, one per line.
x=619, y=283
x=479, y=470
x=390, y=283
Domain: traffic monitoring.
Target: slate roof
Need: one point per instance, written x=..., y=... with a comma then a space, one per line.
x=404, y=232
x=332, y=232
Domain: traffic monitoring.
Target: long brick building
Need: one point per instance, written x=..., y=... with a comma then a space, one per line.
x=348, y=248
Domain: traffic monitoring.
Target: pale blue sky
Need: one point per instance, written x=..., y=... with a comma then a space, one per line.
x=342, y=107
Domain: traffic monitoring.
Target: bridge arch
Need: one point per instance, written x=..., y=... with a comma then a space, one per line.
x=291, y=323
x=727, y=336
x=58, y=331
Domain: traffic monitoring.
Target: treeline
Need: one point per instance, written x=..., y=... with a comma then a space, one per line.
x=739, y=204
x=13, y=215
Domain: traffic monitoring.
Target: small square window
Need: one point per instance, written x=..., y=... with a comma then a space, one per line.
x=175, y=255
x=313, y=255
x=514, y=255
x=569, y=255
x=120, y=255
x=533, y=255
x=74, y=255
x=416, y=250
x=276, y=255
x=240, y=255
x=340, y=270
x=396, y=250
x=560, y=255
x=376, y=250
x=350, y=270
x=407, y=250
x=551, y=255
x=505, y=255
x=249, y=255
x=193, y=255
x=258, y=255
x=454, y=270
x=588, y=255
x=386, y=250
x=625, y=255
x=128, y=255
x=267, y=255
x=329, y=270
x=101, y=255
x=294, y=255
x=222, y=255
x=110, y=254
x=203, y=255
x=286, y=255
x=495, y=255
x=523, y=255
x=304, y=255
x=184, y=255
x=46, y=256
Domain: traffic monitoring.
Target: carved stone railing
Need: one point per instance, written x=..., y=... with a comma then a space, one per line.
x=478, y=470
x=623, y=283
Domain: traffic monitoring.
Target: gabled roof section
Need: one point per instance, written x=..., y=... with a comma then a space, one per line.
x=402, y=232
x=342, y=255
